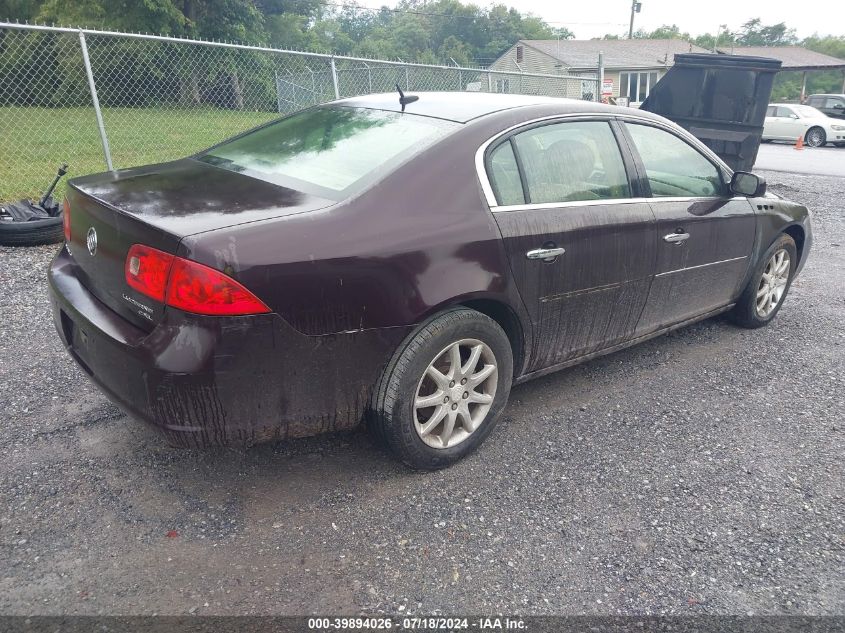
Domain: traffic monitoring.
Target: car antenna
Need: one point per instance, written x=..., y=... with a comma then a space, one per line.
x=403, y=100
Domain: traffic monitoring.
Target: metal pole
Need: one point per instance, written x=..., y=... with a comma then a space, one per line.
x=407, y=79
x=313, y=87
x=334, y=80
x=369, y=78
x=600, y=85
x=489, y=81
x=631, y=27
x=803, y=86
x=278, y=92
x=96, y=101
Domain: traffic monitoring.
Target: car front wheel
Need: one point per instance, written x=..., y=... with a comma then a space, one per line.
x=815, y=137
x=764, y=295
x=444, y=389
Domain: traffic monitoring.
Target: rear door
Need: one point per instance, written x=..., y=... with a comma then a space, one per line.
x=581, y=247
x=704, y=235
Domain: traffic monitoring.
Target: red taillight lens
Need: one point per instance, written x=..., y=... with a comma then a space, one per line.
x=147, y=270
x=187, y=285
x=66, y=220
x=203, y=290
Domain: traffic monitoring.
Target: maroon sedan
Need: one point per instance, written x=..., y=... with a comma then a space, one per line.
x=405, y=264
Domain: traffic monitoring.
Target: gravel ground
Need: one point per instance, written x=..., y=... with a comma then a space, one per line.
x=701, y=472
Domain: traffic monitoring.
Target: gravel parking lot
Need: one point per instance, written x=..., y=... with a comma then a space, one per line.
x=701, y=472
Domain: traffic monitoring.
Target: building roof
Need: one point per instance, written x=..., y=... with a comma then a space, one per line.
x=636, y=53
x=792, y=57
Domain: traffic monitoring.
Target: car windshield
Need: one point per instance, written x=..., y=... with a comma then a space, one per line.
x=808, y=112
x=332, y=151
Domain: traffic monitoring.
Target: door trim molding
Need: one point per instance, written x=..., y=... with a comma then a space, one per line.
x=680, y=270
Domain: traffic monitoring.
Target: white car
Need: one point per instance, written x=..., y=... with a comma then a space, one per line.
x=787, y=122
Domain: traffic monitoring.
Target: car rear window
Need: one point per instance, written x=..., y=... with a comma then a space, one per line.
x=332, y=151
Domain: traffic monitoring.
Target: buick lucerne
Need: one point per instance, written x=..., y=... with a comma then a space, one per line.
x=404, y=264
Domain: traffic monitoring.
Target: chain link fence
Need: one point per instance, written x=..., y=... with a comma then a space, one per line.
x=101, y=100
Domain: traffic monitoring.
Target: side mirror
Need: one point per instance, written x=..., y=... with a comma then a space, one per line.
x=744, y=183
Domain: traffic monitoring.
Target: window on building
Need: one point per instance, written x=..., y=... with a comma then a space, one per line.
x=520, y=54
x=503, y=85
x=636, y=86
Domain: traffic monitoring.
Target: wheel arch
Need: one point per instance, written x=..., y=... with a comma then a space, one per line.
x=796, y=232
x=507, y=319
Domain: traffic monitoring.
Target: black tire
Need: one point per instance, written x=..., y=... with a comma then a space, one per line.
x=745, y=312
x=392, y=417
x=815, y=137
x=31, y=233
x=839, y=144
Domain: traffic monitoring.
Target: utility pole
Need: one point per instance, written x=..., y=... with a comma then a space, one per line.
x=635, y=8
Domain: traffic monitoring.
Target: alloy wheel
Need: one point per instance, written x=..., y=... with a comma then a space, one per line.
x=773, y=283
x=455, y=393
x=815, y=137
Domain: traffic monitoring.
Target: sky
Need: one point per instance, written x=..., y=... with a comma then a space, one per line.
x=596, y=18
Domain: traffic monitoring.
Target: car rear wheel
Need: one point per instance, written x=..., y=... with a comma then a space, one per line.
x=764, y=295
x=444, y=389
x=815, y=137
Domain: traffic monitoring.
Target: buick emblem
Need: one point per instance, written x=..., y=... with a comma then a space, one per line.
x=91, y=241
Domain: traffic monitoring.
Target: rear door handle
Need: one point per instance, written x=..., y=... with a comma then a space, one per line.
x=676, y=238
x=545, y=254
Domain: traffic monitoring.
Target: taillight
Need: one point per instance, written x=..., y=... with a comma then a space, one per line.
x=147, y=269
x=187, y=285
x=203, y=290
x=66, y=220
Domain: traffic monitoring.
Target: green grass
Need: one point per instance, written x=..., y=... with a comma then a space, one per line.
x=37, y=140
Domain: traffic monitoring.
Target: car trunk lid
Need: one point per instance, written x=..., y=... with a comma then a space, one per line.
x=158, y=206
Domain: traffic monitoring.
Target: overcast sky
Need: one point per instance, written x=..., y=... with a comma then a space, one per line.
x=594, y=19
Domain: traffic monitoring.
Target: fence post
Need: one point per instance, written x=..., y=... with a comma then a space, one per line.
x=278, y=92
x=600, y=77
x=96, y=101
x=407, y=79
x=334, y=80
x=489, y=81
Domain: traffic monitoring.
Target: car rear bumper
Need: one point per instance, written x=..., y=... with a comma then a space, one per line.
x=219, y=380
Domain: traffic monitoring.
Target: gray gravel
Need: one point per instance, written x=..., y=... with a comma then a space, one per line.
x=698, y=473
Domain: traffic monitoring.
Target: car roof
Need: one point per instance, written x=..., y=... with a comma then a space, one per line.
x=463, y=107
x=827, y=94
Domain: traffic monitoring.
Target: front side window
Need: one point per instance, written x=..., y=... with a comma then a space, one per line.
x=770, y=111
x=572, y=161
x=834, y=103
x=673, y=167
x=330, y=151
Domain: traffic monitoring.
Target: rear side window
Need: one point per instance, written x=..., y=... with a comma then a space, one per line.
x=770, y=111
x=572, y=161
x=673, y=167
x=504, y=175
x=330, y=151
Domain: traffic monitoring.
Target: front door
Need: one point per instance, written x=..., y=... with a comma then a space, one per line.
x=581, y=250
x=704, y=234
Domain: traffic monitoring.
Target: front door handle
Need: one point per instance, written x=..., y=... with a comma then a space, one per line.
x=676, y=238
x=545, y=254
